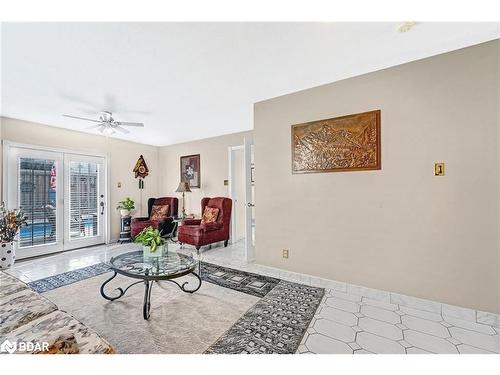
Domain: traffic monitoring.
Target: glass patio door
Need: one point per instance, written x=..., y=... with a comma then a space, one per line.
x=84, y=203
x=62, y=195
x=33, y=183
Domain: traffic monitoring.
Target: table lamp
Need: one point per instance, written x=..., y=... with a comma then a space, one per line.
x=183, y=188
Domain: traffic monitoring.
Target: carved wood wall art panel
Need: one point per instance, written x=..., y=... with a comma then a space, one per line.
x=347, y=143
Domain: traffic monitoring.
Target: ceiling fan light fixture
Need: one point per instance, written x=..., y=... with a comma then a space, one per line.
x=108, y=130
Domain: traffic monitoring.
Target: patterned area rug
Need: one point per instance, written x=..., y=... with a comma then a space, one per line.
x=275, y=324
x=245, y=282
x=66, y=278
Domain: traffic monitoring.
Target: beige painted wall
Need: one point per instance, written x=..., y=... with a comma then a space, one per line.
x=214, y=167
x=400, y=229
x=122, y=157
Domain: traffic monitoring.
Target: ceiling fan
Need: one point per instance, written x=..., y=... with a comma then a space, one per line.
x=107, y=124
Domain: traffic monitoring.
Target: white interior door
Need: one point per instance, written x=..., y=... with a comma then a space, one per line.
x=250, y=202
x=84, y=209
x=33, y=183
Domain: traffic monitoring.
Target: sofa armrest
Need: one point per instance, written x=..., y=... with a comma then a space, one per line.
x=191, y=222
x=211, y=226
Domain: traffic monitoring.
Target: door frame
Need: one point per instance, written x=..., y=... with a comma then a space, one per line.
x=6, y=145
x=246, y=147
x=231, y=185
x=248, y=143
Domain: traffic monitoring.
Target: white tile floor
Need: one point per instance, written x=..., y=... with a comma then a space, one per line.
x=350, y=319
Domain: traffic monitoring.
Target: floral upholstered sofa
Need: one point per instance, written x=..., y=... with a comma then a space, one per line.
x=28, y=317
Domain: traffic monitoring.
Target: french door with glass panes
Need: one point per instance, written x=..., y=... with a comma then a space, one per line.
x=62, y=195
x=84, y=208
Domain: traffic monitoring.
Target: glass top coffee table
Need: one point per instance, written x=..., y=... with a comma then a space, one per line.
x=136, y=265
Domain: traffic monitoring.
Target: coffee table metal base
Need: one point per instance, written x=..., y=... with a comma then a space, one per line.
x=148, y=286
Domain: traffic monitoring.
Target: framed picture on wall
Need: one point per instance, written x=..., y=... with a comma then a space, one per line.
x=190, y=170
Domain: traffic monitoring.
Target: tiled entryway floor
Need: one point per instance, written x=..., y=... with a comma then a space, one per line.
x=344, y=323
x=347, y=323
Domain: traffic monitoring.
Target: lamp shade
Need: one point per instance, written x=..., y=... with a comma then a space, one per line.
x=183, y=187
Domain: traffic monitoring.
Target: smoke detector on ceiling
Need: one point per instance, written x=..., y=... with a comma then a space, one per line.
x=406, y=26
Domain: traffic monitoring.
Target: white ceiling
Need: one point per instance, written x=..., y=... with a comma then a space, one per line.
x=189, y=81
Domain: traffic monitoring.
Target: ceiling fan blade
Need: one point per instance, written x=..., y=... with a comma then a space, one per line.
x=122, y=130
x=81, y=118
x=94, y=126
x=138, y=124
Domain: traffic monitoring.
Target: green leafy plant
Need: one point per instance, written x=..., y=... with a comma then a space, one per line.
x=10, y=222
x=150, y=237
x=126, y=204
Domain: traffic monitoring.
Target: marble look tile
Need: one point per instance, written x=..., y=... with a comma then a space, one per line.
x=421, y=313
x=343, y=304
x=380, y=304
x=416, y=303
x=359, y=315
x=458, y=313
x=302, y=349
x=425, y=326
x=445, y=324
x=429, y=343
x=380, y=328
x=380, y=314
x=362, y=351
x=488, y=318
x=21, y=276
x=482, y=328
x=374, y=294
x=453, y=341
x=290, y=276
x=402, y=327
x=357, y=329
x=476, y=339
x=354, y=346
x=467, y=349
x=414, y=350
x=320, y=344
x=335, y=330
x=328, y=284
x=404, y=344
x=336, y=285
x=338, y=316
x=378, y=344
x=345, y=296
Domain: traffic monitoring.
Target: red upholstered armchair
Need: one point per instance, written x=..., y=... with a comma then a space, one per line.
x=163, y=223
x=198, y=234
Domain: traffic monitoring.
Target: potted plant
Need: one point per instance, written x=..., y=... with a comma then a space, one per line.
x=126, y=206
x=153, y=244
x=10, y=222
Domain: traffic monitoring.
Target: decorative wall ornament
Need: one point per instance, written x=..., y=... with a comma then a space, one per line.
x=347, y=143
x=141, y=169
x=190, y=170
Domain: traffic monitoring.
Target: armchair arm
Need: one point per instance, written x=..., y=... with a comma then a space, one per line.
x=211, y=226
x=191, y=222
x=137, y=219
